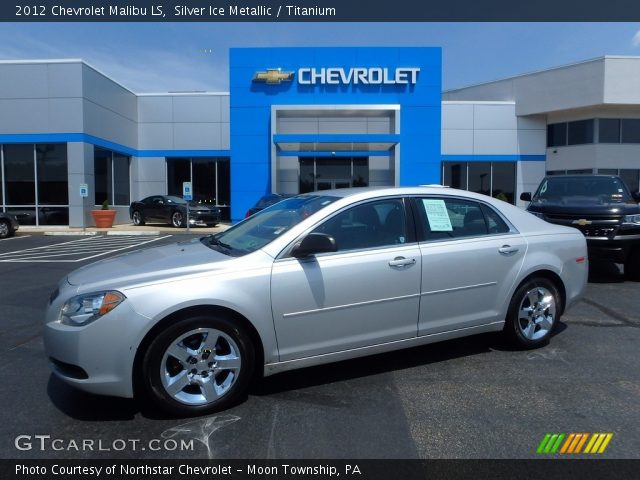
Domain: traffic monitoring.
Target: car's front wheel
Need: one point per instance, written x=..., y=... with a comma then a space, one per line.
x=533, y=313
x=5, y=229
x=199, y=365
x=177, y=219
x=137, y=218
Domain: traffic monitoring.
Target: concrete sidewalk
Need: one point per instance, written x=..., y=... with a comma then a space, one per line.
x=122, y=229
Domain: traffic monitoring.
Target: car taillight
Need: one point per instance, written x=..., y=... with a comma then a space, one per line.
x=248, y=214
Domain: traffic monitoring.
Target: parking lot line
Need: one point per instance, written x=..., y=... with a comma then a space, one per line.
x=76, y=250
x=14, y=238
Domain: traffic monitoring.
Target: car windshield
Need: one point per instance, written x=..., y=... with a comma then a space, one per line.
x=265, y=226
x=556, y=189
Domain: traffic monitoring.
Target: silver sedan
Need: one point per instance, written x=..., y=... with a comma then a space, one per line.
x=317, y=278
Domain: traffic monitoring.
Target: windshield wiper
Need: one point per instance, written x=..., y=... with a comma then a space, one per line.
x=214, y=241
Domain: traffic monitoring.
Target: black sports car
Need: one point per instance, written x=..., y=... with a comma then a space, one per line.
x=173, y=210
x=266, y=201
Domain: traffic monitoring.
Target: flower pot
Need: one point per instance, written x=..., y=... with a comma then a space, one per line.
x=103, y=218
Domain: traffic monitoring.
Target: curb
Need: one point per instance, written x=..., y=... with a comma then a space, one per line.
x=135, y=232
x=66, y=234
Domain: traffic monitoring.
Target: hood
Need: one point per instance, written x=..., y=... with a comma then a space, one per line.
x=585, y=205
x=149, y=264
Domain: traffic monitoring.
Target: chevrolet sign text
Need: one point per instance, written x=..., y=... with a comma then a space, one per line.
x=365, y=76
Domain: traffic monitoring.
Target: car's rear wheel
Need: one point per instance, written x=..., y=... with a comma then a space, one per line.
x=199, y=365
x=177, y=219
x=533, y=313
x=5, y=229
x=137, y=218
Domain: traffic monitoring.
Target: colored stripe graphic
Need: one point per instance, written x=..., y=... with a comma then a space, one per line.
x=598, y=442
x=572, y=443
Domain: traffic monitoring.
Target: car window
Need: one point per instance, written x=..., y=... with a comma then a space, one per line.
x=374, y=224
x=448, y=218
x=495, y=223
x=174, y=199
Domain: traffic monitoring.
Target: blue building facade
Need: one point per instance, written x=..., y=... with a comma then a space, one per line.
x=345, y=103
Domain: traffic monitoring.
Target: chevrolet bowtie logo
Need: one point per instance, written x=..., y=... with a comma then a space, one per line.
x=582, y=222
x=273, y=76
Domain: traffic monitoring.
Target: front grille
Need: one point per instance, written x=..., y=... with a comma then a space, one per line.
x=598, y=232
x=598, y=226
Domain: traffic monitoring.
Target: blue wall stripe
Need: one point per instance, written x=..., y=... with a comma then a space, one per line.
x=493, y=158
x=101, y=142
x=336, y=138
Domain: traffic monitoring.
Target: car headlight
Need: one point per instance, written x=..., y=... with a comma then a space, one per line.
x=631, y=219
x=84, y=309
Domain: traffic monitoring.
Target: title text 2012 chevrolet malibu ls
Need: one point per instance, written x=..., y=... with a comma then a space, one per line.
x=316, y=278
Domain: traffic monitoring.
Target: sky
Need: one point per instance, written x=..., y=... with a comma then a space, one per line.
x=161, y=57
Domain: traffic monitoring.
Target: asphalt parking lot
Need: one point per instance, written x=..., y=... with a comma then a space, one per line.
x=467, y=398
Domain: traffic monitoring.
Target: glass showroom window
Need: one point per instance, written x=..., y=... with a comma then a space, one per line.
x=609, y=130
x=111, y=177
x=33, y=183
x=210, y=180
x=497, y=179
x=319, y=173
x=557, y=134
x=580, y=132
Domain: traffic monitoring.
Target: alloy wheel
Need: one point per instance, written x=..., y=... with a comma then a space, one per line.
x=537, y=313
x=200, y=366
x=176, y=219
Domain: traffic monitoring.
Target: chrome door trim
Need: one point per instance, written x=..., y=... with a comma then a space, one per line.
x=349, y=305
x=456, y=289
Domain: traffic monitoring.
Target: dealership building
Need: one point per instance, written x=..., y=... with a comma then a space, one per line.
x=305, y=119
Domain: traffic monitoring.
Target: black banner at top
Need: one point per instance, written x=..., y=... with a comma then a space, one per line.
x=318, y=11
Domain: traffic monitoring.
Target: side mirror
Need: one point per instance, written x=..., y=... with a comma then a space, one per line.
x=313, y=244
x=636, y=195
x=525, y=196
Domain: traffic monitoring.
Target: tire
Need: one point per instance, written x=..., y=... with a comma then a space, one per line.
x=632, y=265
x=203, y=343
x=177, y=219
x=533, y=313
x=138, y=219
x=5, y=229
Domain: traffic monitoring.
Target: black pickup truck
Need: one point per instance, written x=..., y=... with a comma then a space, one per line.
x=601, y=207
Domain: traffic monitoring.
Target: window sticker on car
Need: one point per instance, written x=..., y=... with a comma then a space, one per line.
x=437, y=215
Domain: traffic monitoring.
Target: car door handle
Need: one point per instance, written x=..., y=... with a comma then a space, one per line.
x=508, y=250
x=402, y=262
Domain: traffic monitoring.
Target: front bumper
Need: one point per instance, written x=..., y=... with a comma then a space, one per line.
x=97, y=358
x=196, y=218
x=616, y=249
